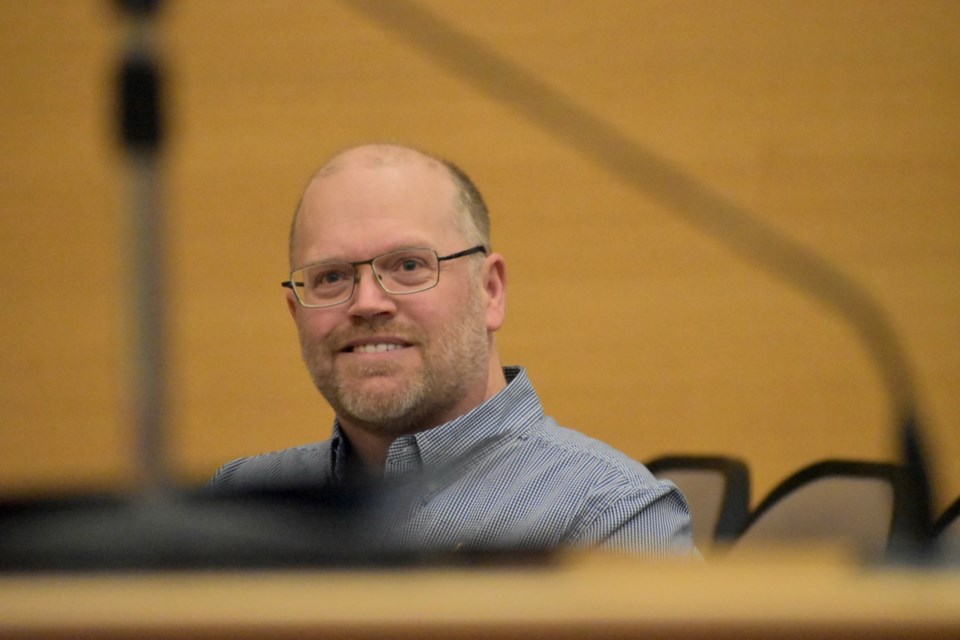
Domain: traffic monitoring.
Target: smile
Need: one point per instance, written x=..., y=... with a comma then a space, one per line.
x=376, y=348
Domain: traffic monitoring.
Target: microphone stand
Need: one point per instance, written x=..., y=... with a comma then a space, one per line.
x=141, y=132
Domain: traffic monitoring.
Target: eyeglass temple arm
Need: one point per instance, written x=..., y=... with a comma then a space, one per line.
x=465, y=252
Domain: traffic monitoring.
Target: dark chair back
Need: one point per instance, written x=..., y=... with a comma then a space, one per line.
x=946, y=531
x=854, y=503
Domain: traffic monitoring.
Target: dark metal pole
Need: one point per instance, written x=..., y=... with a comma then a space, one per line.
x=140, y=104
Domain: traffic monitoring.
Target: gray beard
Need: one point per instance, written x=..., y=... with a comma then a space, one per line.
x=453, y=360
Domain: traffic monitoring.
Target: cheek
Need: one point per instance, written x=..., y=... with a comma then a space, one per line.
x=314, y=327
x=439, y=312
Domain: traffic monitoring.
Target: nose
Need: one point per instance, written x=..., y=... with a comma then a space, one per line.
x=369, y=299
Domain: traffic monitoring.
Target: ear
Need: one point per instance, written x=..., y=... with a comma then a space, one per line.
x=494, y=280
x=292, y=305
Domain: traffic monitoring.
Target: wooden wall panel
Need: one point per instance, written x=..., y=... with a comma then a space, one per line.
x=836, y=123
x=60, y=256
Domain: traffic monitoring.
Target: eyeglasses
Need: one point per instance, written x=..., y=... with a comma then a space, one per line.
x=325, y=284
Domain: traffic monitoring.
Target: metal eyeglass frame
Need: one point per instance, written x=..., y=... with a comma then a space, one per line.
x=292, y=284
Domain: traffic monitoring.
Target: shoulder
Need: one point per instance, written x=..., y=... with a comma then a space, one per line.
x=580, y=472
x=619, y=501
x=582, y=454
x=296, y=466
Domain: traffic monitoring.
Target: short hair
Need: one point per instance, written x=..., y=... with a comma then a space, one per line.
x=473, y=218
x=470, y=202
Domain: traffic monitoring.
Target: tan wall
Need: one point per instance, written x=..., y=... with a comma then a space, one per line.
x=836, y=123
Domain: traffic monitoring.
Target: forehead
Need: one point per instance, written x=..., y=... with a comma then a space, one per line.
x=361, y=209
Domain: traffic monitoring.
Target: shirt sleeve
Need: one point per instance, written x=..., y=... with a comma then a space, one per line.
x=652, y=520
x=295, y=467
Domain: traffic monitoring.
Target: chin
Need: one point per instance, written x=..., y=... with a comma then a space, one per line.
x=380, y=401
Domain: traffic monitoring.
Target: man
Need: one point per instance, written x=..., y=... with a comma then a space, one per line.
x=397, y=297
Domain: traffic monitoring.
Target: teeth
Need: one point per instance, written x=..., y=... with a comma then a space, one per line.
x=375, y=348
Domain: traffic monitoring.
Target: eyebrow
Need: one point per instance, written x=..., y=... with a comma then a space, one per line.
x=343, y=260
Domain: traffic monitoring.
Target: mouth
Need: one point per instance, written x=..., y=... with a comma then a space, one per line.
x=376, y=345
x=381, y=347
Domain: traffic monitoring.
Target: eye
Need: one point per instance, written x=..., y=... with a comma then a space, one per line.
x=403, y=263
x=329, y=276
x=410, y=264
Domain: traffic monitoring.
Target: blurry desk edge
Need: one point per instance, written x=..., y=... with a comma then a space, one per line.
x=597, y=595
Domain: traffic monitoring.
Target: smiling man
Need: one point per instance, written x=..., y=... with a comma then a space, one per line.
x=397, y=297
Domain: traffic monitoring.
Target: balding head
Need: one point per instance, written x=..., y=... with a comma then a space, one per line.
x=472, y=217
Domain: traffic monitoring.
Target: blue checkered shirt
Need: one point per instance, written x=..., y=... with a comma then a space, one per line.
x=503, y=475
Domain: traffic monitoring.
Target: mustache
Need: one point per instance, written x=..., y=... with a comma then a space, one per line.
x=339, y=338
